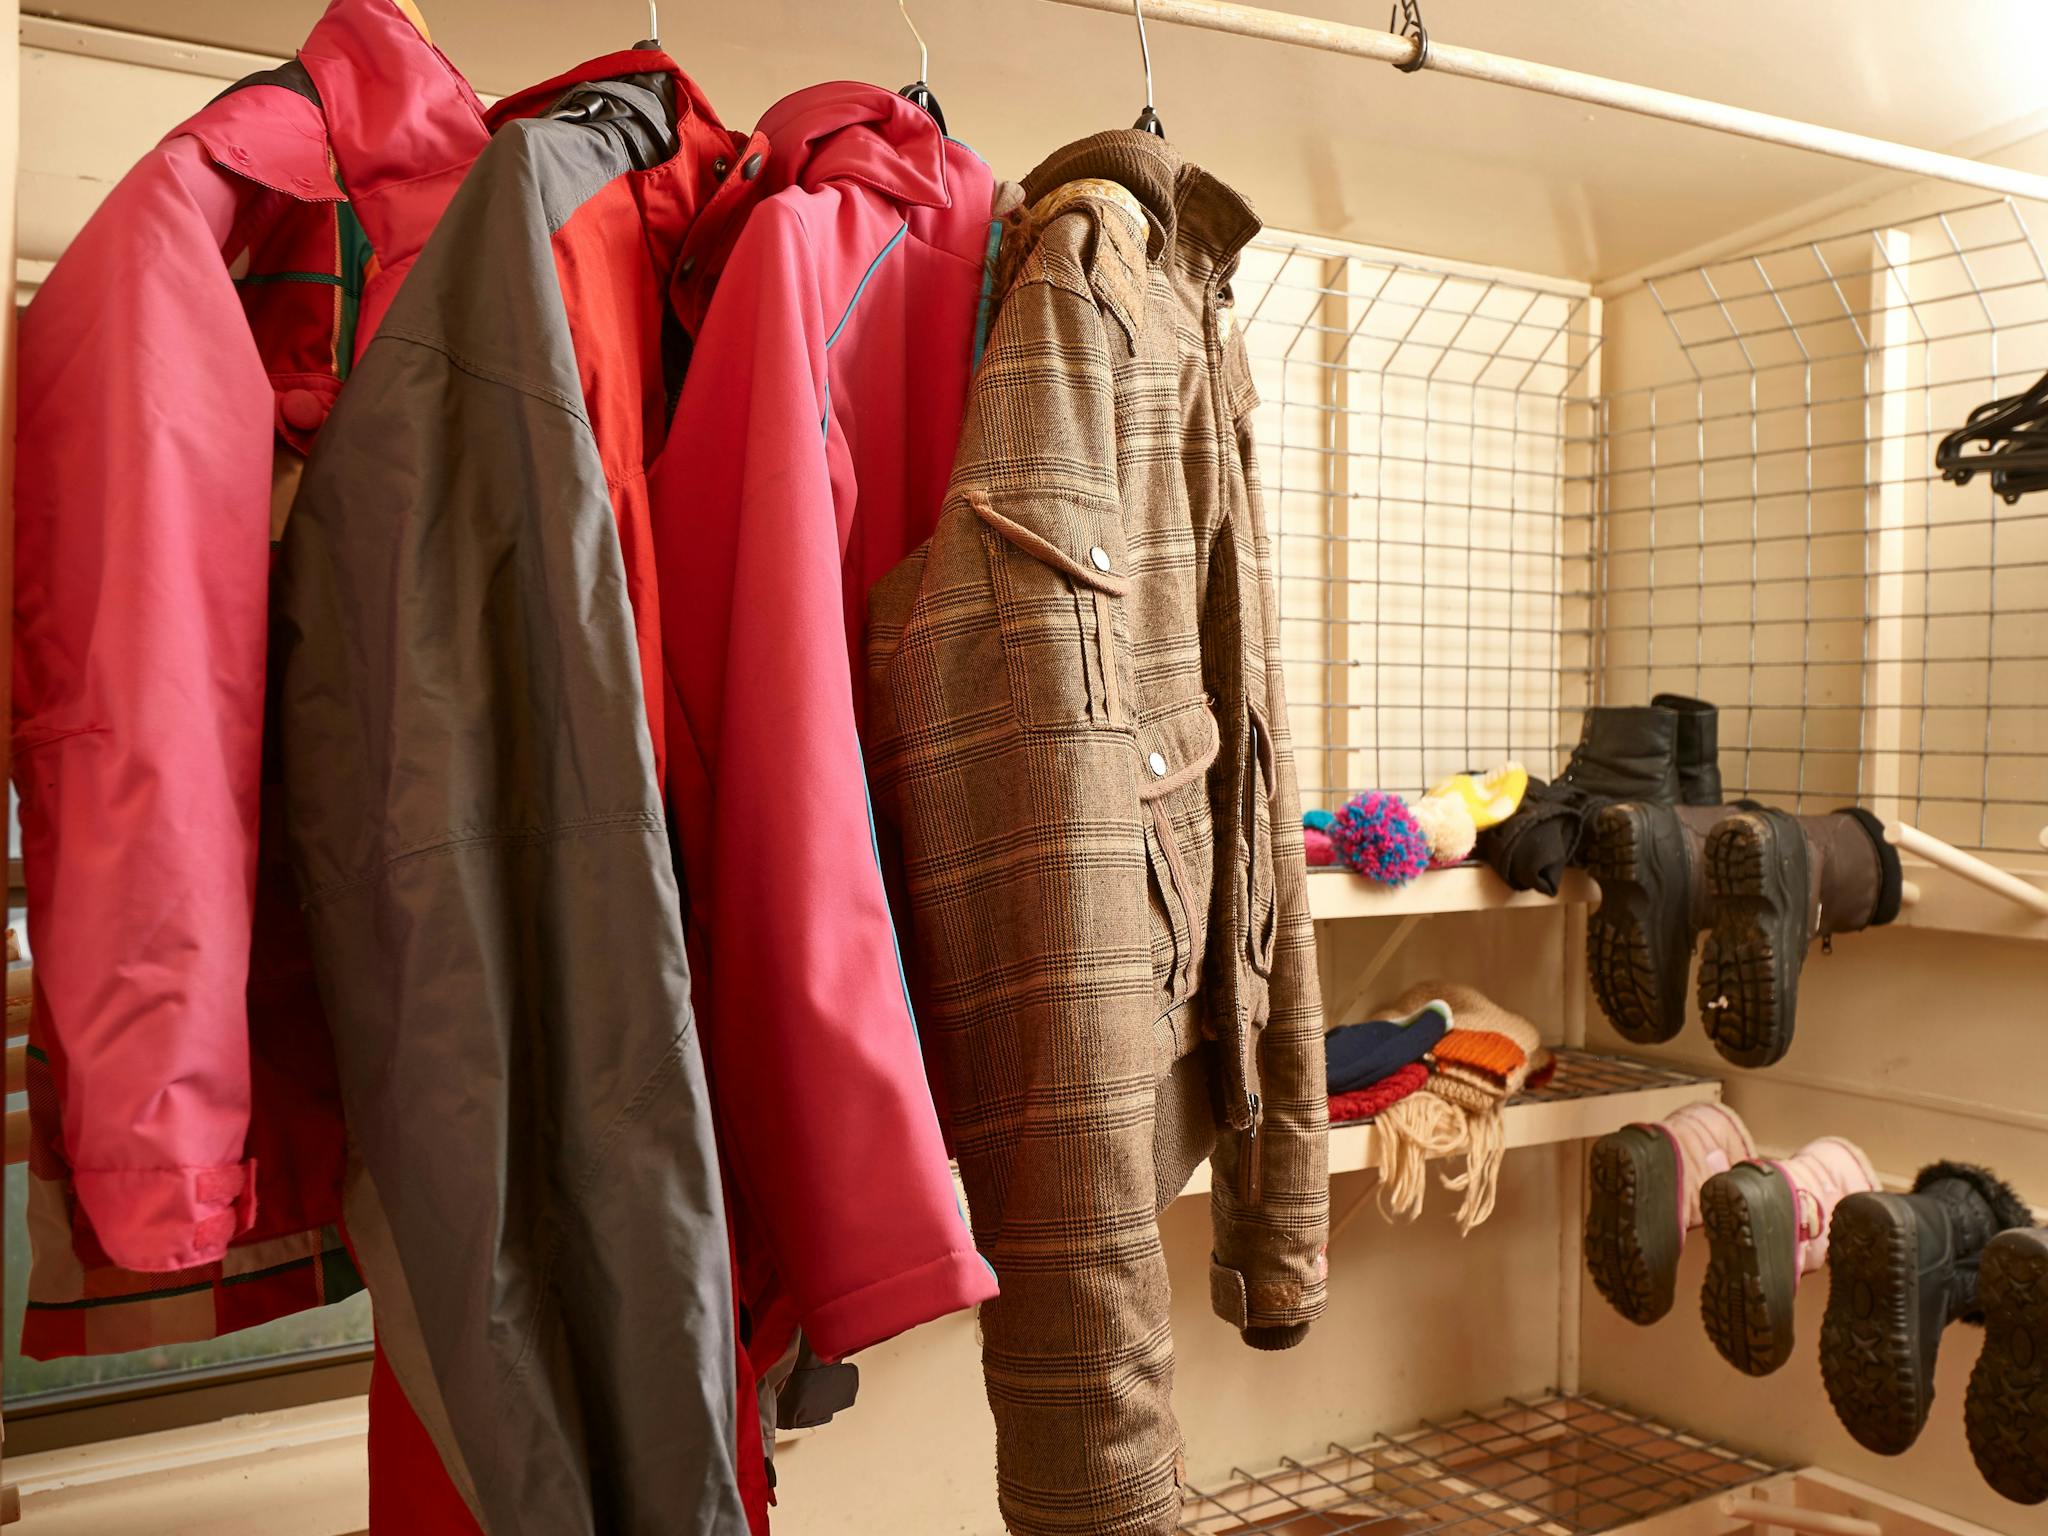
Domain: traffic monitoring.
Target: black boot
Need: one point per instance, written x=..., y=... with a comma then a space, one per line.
x=2006, y=1413
x=1698, y=747
x=1651, y=865
x=1626, y=753
x=1778, y=882
x=1900, y=1269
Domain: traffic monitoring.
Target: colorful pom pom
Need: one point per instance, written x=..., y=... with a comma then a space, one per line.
x=1447, y=824
x=1376, y=835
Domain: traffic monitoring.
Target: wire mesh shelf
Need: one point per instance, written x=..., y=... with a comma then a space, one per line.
x=1588, y=1075
x=1560, y=1465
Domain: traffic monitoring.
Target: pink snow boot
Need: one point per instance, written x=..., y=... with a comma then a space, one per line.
x=1646, y=1196
x=1767, y=1224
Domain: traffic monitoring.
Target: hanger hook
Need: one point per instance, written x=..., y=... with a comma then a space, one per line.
x=1144, y=49
x=653, y=23
x=1405, y=19
x=924, y=54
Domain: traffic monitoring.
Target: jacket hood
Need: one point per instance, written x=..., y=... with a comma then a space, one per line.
x=845, y=131
x=403, y=123
x=1203, y=221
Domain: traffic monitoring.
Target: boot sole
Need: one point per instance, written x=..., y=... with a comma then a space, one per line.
x=1639, y=940
x=2006, y=1413
x=1749, y=969
x=1632, y=1236
x=1870, y=1336
x=1747, y=1300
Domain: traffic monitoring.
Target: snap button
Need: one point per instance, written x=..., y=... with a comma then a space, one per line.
x=303, y=183
x=239, y=153
x=302, y=409
x=752, y=168
x=1099, y=558
x=720, y=166
x=1157, y=763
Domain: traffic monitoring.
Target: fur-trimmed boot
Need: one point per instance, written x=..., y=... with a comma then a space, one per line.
x=1901, y=1268
x=1650, y=861
x=1767, y=1224
x=2006, y=1412
x=1646, y=1197
x=1778, y=882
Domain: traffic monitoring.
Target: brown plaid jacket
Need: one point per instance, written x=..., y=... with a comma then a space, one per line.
x=1077, y=731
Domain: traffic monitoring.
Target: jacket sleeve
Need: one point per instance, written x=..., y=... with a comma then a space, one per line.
x=1279, y=1247
x=832, y=1140
x=143, y=547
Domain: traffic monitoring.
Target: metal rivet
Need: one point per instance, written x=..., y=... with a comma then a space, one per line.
x=1099, y=558
x=752, y=168
x=720, y=166
x=1157, y=763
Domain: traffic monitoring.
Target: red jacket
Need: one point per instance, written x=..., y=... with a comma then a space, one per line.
x=808, y=456
x=194, y=335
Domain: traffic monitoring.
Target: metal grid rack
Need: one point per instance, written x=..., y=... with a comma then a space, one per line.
x=1557, y=1466
x=1588, y=1075
x=1772, y=533
x=1414, y=442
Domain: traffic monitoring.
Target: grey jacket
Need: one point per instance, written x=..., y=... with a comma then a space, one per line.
x=481, y=847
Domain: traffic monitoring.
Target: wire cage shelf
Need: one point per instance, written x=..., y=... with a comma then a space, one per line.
x=1559, y=1465
x=1497, y=501
x=1590, y=1075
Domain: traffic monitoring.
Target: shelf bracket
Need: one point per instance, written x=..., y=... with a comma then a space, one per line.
x=1361, y=994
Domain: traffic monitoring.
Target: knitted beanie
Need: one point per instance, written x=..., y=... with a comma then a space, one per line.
x=1481, y=1063
x=1365, y=1103
x=1359, y=1055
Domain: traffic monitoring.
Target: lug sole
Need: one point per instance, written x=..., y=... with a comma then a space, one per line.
x=1747, y=1300
x=1632, y=1237
x=1749, y=967
x=1639, y=940
x=1870, y=1335
x=2006, y=1412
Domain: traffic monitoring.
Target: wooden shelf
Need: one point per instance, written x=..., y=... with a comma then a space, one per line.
x=1334, y=894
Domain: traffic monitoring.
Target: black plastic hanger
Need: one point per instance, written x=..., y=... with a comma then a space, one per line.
x=918, y=90
x=2012, y=434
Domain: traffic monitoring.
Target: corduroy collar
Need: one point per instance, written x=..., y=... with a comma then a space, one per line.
x=1204, y=222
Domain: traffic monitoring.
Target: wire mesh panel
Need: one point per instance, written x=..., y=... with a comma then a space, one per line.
x=1556, y=1466
x=1773, y=536
x=1413, y=438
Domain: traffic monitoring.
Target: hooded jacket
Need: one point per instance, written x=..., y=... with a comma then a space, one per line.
x=476, y=825
x=809, y=454
x=188, y=1150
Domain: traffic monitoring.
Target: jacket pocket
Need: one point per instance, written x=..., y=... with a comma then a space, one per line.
x=1058, y=571
x=1262, y=916
x=1175, y=753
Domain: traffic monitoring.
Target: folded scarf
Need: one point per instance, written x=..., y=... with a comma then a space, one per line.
x=1365, y=1103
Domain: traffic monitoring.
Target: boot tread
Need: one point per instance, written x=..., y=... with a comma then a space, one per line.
x=1749, y=1326
x=1869, y=1340
x=2006, y=1411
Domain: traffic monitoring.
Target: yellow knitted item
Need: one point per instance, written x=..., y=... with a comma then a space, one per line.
x=1491, y=799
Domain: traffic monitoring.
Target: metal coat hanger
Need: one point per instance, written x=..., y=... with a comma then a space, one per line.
x=918, y=91
x=1148, y=120
x=653, y=39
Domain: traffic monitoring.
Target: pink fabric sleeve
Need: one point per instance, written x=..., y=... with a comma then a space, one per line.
x=813, y=1055
x=142, y=548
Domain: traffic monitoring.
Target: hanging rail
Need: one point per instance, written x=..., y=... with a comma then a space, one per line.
x=1472, y=64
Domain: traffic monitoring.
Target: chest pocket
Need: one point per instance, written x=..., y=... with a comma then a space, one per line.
x=1058, y=570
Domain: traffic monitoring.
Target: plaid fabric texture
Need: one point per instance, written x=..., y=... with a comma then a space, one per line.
x=1078, y=733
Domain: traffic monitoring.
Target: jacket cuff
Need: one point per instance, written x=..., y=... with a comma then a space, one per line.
x=1273, y=1307
x=157, y=1220
x=854, y=1321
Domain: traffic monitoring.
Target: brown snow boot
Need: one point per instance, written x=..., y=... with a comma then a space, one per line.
x=1650, y=861
x=1767, y=1225
x=1778, y=882
x=1697, y=746
x=1646, y=1182
x=2006, y=1412
x=1901, y=1268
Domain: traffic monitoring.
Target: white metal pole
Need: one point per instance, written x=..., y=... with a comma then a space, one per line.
x=1968, y=865
x=1472, y=64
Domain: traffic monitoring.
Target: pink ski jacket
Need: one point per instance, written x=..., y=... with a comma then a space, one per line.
x=179, y=358
x=809, y=455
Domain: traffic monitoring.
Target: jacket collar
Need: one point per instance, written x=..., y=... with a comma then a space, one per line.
x=1200, y=220
x=838, y=131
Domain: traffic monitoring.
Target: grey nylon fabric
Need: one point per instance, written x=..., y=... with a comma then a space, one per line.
x=480, y=842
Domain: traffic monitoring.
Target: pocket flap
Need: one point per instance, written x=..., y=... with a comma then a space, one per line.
x=1083, y=539
x=1177, y=747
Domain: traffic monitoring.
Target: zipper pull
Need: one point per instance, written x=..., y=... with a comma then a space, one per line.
x=1251, y=1153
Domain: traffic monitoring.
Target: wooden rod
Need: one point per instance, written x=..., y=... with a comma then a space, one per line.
x=1764, y=1515
x=1912, y=840
x=1645, y=101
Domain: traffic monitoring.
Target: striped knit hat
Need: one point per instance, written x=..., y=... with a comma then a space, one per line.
x=1481, y=1063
